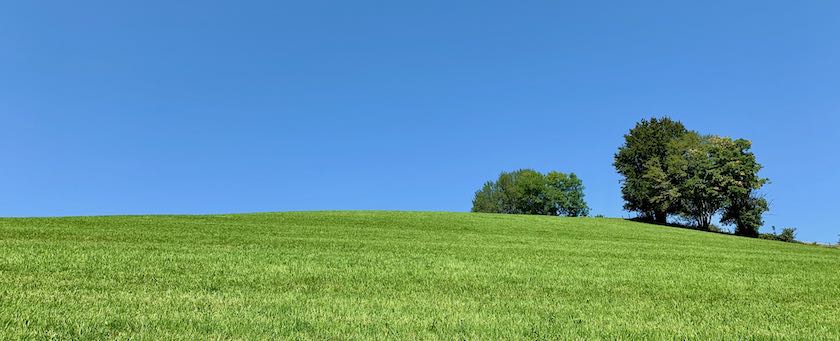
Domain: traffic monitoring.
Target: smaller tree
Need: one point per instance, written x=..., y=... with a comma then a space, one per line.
x=526, y=191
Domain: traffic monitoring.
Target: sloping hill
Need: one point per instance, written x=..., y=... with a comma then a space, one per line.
x=405, y=275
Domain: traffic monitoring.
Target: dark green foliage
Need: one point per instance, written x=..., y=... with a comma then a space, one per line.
x=526, y=191
x=745, y=214
x=529, y=193
x=669, y=170
x=565, y=195
x=788, y=234
x=740, y=181
x=717, y=175
x=488, y=199
x=642, y=160
x=697, y=179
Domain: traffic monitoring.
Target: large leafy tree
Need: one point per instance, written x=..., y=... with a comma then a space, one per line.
x=717, y=175
x=739, y=169
x=698, y=179
x=643, y=162
x=526, y=191
x=669, y=170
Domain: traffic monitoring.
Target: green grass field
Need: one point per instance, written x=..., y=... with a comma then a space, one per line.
x=385, y=275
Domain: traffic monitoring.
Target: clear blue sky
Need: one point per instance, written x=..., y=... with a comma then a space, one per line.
x=205, y=107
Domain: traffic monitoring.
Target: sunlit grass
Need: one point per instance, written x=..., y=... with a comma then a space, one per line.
x=389, y=275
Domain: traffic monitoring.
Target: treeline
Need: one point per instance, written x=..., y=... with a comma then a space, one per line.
x=670, y=171
x=670, y=174
x=527, y=191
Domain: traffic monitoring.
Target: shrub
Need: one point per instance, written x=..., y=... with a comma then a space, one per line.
x=788, y=234
x=768, y=236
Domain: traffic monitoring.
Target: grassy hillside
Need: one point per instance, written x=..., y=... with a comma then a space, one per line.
x=408, y=275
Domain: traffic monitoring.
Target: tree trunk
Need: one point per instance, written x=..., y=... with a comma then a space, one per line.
x=706, y=222
x=660, y=218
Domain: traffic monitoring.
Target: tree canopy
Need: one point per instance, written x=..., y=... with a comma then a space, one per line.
x=642, y=160
x=527, y=191
x=669, y=170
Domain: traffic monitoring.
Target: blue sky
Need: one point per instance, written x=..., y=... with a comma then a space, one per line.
x=207, y=107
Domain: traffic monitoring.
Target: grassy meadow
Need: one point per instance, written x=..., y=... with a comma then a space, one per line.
x=386, y=275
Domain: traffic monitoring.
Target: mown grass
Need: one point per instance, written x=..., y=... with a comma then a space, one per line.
x=385, y=275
